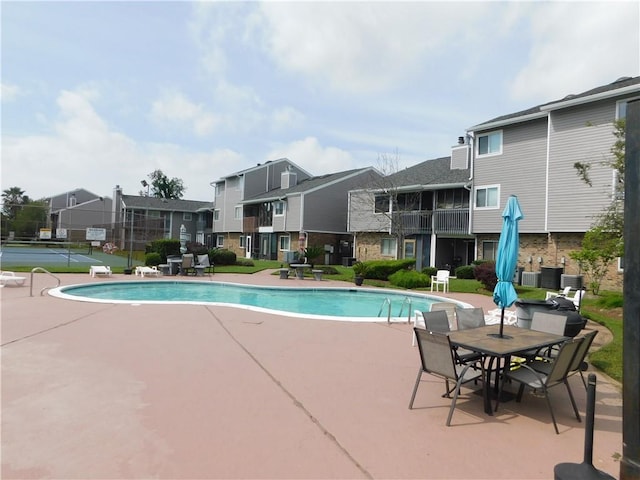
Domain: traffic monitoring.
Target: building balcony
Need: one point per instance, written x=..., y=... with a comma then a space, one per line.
x=440, y=222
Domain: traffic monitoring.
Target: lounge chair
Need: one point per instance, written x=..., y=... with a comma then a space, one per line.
x=150, y=271
x=10, y=278
x=100, y=270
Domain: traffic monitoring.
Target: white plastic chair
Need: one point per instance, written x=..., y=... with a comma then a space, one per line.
x=564, y=293
x=440, y=278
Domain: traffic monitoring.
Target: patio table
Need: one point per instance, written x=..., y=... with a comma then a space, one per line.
x=300, y=269
x=486, y=341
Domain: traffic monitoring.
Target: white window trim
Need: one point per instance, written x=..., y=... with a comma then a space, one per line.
x=219, y=241
x=394, y=244
x=284, y=207
x=216, y=215
x=186, y=216
x=485, y=187
x=280, y=246
x=488, y=134
x=235, y=212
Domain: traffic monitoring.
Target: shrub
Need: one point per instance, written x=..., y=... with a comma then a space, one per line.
x=196, y=248
x=222, y=256
x=485, y=273
x=465, y=272
x=245, y=262
x=152, y=259
x=165, y=247
x=409, y=279
x=428, y=271
x=382, y=269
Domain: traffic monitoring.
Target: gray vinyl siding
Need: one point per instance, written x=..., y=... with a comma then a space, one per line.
x=232, y=198
x=520, y=170
x=294, y=206
x=362, y=216
x=325, y=210
x=579, y=134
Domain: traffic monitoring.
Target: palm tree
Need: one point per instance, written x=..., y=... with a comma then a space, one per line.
x=12, y=200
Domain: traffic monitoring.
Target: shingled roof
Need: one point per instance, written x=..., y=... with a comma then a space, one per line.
x=306, y=185
x=436, y=172
x=540, y=110
x=165, y=204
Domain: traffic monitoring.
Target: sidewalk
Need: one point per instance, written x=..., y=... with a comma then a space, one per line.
x=189, y=391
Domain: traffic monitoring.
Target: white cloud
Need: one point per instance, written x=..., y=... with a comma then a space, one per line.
x=8, y=92
x=174, y=109
x=575, y=47
x=313, y=157
x=85, y=152
x=363, y=46
x=286, y=117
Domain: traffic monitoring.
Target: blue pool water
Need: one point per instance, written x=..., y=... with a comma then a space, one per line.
x=344, y=303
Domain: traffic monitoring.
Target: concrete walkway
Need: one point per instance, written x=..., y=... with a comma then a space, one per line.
x=97, y=391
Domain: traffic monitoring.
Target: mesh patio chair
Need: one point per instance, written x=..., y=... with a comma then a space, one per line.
x=578, y=365
x=187, y=265
x=558, y=374
x=469, y=317
x=549, y=323
x=203, y=262
x=449, y=308
x=438, y=321
x=437, y=358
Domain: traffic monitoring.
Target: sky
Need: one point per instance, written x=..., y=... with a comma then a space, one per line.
x=99, y=94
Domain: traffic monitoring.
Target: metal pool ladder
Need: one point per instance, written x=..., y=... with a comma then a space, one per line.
x=40, y=269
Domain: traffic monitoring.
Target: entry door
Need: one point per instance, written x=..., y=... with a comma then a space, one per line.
x=409, y=249
x=247, y=251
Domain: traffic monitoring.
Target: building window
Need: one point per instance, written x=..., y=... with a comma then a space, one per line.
x=186, y=216
x=621, y=108
x=216, y=215
x=242, y=241
x=278, y=208
x=621, y=264
x=452, y=198
x=487, y=197
x=219, y=189
x=219, y=241
x=237, y=213
x=388, y=247
x=489, y=249
x=382, y=204
x=284, y=242
x=153, y=213
x=490, y=143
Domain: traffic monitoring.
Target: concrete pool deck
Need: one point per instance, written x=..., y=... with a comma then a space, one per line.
x=122, y=391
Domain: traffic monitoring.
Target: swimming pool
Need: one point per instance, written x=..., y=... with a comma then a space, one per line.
x=327, y=303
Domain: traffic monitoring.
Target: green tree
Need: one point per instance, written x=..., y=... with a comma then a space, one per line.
x=604, y=242
x=12, y=201
x=164, y=187
x=600, y=247
x=29, y=219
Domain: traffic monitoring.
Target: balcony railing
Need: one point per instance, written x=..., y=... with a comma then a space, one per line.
x=440, y=222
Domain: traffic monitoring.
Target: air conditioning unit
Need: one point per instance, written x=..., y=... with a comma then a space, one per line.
x=531, y=279
x=573, y=281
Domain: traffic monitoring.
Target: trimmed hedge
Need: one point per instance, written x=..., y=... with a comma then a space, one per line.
x=165, y=247
x=428, y=271
x=465, y=272
x=152, y=259
x=409, y=279
x=382, y=269
x=222, y=256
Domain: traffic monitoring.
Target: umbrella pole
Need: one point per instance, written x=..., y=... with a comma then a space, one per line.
x=501, y=322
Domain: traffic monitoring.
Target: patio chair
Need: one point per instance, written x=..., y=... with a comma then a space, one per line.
x=538, y=381
x=438, y=321
x=440, y=278
x=469, y=317
x=578, y=365
x=203, y=262
x=437, y=358
x=563, y=293
x=549, y=323
x=449, y=308
x=187, y=265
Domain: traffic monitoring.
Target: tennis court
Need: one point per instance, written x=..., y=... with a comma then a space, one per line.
x=38, y=254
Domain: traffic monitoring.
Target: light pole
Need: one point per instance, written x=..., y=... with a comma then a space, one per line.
x=146, y=185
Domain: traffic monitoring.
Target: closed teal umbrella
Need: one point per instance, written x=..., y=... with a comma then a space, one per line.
x=507, y=257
